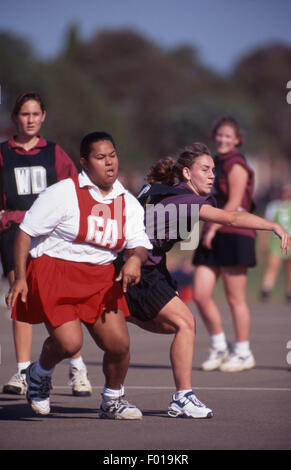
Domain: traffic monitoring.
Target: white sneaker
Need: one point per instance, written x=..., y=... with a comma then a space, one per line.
x=237, y=363
x=189, y=407
x=38, y=391
x=17, y=384
x=79, y=382
x=119, y=408
x=215, y=359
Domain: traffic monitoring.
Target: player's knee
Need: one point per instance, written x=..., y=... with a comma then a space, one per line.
x=70, y=348
x=201, y=298
x=186, y=323
x=119, y=347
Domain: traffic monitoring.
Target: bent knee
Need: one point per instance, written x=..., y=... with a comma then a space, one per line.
x=117, y=346
x=186, y=323
x=71, y=348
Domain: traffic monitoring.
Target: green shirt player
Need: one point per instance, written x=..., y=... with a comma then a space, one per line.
x=278, y=211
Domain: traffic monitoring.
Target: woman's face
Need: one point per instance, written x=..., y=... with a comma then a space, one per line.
x=200, y=176
x=29, y=119
x=101, y=165
x=225, y=139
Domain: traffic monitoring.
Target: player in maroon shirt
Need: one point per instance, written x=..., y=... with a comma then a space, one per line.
x=28, y=164
x=154, y=303
x=227, y=251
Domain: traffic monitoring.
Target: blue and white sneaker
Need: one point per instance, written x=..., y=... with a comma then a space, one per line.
x=188, y=407
x=38, y=391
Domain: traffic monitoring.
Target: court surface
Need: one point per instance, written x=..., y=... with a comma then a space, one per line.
x=251, y=408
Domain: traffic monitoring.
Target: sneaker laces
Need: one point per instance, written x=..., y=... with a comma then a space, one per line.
x=192, y=397
x=78, y=375
x=116, y=403
x=18, y=377
x=45, y=386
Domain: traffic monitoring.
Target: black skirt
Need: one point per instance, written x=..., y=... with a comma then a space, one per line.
x=228, y=249
x=155, y=289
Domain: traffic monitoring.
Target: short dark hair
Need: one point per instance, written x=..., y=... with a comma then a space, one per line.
x=27, y=96
x=89, y=139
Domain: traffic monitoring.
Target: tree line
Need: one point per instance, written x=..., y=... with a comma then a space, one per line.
x=151, y=99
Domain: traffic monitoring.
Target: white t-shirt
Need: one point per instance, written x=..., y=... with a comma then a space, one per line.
x=53, y=222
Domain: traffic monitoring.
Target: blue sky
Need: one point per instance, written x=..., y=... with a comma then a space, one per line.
x=222, y=31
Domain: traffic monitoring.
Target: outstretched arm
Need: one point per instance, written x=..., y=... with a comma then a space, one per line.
x=245, y=220
x=21, y=250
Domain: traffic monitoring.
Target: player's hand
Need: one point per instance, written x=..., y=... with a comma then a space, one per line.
x=130, y=272
x=208, y=238
x=18, y=288
x=285, y=238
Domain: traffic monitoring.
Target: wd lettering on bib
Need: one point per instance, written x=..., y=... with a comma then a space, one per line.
x=24, y=176
x=30, y=180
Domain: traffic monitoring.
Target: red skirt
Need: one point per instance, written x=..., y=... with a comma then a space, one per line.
x=60, y=291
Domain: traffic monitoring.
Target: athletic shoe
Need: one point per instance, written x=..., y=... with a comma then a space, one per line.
x=38, y=391
x=17, y=384
x=265, y=295
x=237, y=363
x=79, y=382
x=215, y=359
x=119, y=408
x=188, y=407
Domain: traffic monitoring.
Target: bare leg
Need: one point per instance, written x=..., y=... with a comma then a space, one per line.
x=111, y=335
x=64, y=341
x=22, y=333
x=205, y=278
x=234, y=280
x=177, y=315
x=176, y=318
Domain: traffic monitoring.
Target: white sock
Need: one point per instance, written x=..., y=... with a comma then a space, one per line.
x=77, y=363
x=110, y=393
x=22, y=366
x=218, y=341
x=180, y=393
x=242, y=348
x=40, y=371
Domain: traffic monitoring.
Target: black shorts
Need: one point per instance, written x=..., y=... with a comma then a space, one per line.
x=155, y=289
x=228, y=249
x=7, y=241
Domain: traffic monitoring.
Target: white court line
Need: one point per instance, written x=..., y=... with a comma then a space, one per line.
x=148, y=387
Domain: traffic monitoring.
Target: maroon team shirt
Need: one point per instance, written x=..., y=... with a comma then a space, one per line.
x=64, y=168
x=224, y=164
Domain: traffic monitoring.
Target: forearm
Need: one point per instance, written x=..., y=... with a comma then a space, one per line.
x=230, y=206
x=139, y=252
x=21, y=250
x=247, y=220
